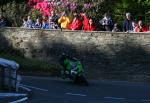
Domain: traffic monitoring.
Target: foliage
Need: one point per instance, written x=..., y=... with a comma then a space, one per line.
x=46, y=6
x=13, y=10
x=4, y=2
x=35, y=13
x=140, y=9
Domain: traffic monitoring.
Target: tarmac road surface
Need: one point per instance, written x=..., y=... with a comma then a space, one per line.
x=56, y=90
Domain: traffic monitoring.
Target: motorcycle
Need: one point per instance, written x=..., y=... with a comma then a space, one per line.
x=72, y=69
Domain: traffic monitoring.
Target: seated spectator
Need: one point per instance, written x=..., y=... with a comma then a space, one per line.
x=45, y=24
x=2, y=21
x=91, y=25
x=64, y=21
x=141, y=27
x=76, y=23
x=115, y=28
x=38, y=23
x=107, y=22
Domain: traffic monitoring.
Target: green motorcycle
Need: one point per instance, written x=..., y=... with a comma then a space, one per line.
x=72, y=69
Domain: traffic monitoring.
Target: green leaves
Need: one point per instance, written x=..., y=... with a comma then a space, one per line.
x=4, y=2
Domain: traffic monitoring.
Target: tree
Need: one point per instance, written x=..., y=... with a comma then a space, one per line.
x=5, y=2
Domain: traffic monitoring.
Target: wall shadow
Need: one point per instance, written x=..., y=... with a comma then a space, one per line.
x=129, y=62
x=6, y=47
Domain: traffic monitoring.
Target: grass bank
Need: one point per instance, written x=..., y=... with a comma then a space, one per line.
x=33, y=66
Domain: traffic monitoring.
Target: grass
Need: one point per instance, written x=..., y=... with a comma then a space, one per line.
x=33, y=66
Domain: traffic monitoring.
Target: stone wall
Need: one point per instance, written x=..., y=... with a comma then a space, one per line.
x=105, y=55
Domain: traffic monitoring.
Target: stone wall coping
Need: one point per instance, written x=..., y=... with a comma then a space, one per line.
x=81, y=31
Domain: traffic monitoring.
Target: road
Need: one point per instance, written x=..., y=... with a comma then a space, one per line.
x=55, y=90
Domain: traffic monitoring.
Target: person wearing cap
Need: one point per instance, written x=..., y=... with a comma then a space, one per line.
x=127, y=24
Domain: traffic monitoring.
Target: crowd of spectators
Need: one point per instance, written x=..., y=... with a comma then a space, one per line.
x=80, y=21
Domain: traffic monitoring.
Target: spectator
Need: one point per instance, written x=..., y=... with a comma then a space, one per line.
x=2, y=21
x=91, y=25
x=85, y=20
x=54, y=17
x=127, y=24
x=52, y=24
x=38, y=23
x=107, y=22
x=29, y=22
x=64, y=21
x=45, y=24
x=115, y=28
x=76, y=23
x=141, y=27
x=134, y=24
x=25, y=24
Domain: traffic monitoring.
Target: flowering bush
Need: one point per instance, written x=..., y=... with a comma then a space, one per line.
x=46, y=6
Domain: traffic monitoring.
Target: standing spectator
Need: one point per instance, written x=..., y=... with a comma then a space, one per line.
x=51, y=23
x=91, y=25
x=2, y=21
x=54, y=17
x=64, y=21
x=141, y=27
x=29, y=22
x=107, y=22
x=127, y=24
x=134, y=25
x=25, y=24
x=85, y=20
x=76, y=23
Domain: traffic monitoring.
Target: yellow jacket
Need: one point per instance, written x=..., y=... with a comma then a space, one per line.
x=64, y=21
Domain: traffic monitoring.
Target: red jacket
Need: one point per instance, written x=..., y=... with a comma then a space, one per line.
x=144, y=29
x=76, y=24
x=91, y=28
x=85, y=21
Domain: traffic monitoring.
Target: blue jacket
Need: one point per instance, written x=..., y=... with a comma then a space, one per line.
x=45, y=26
x=127, y=25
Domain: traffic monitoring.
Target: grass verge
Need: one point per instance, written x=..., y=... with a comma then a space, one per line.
x=33, y=66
